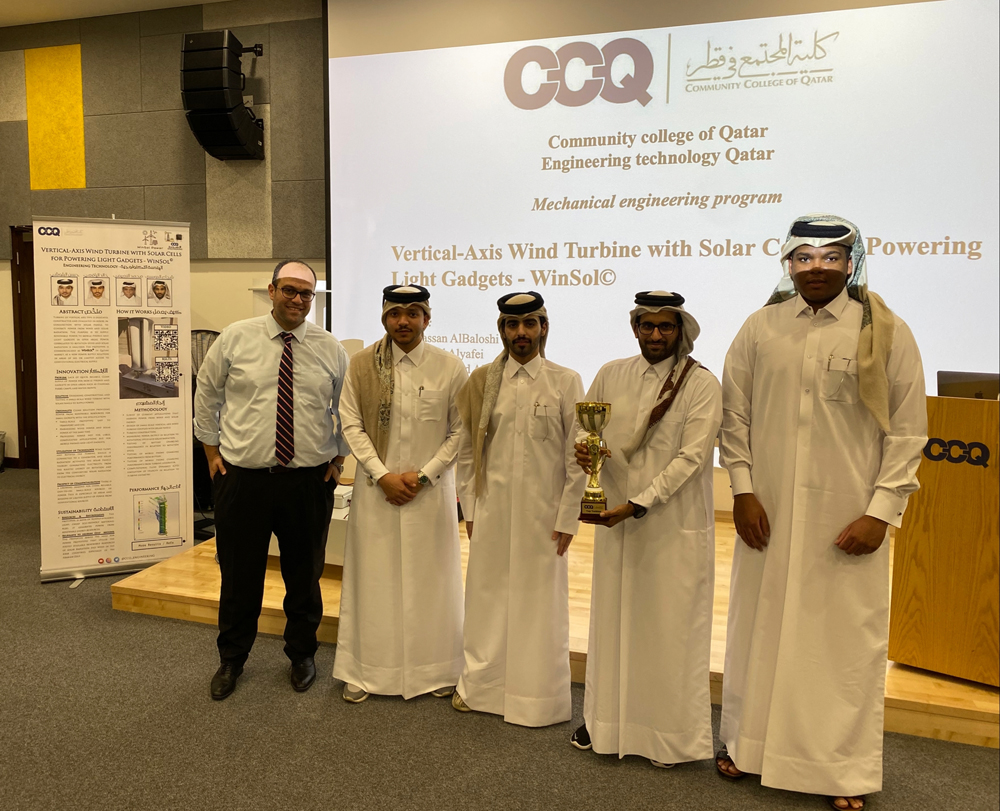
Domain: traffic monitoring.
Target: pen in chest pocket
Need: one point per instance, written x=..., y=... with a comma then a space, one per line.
x=544, y=413
x=835, y=364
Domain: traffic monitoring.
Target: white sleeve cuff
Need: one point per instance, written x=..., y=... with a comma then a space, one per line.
x=468, y=502
x=207, y=437
x=887, y=507
x=433, y=470
x=647, y=498
x=567, y=520
x=739, y=477
x=376, y=469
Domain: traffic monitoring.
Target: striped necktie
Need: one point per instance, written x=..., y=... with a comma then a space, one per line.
x=284, y=433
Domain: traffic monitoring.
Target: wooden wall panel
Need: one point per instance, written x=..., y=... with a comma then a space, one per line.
x=946, y=588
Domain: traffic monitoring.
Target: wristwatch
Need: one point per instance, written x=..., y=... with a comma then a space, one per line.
x=423, y=478
x=640, y=511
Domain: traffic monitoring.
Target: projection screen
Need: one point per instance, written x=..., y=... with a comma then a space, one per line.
x=592, y=167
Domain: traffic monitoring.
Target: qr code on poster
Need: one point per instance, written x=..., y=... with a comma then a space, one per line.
x=167, y=370
x=164, y=337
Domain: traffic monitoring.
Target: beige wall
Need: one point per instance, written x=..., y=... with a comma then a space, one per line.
x=220, y=289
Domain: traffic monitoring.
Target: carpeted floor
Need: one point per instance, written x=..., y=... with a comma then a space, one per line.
x=102, y=709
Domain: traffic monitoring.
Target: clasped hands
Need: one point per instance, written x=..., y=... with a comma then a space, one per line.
x=860, y=537
x=400, y=488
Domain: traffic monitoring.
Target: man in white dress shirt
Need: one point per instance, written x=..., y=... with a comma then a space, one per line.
x=654, y=562
x=823, y=423
x=521, y=488
x=401, y=611
x=275, y=454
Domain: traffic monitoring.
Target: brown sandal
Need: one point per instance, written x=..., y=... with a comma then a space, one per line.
x=833, y=803
x=723, y=754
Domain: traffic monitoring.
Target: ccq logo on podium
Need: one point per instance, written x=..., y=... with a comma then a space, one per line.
x=48, y=231
x=956, y=451
x=598, y=63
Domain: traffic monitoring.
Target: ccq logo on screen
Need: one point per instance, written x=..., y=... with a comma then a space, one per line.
x=598, y=63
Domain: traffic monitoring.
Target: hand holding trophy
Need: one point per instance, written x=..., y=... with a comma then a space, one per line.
x=593, y=417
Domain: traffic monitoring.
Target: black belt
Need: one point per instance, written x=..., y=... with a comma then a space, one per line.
x=281, y=469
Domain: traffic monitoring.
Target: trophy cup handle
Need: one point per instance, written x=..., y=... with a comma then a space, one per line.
x=601, y=458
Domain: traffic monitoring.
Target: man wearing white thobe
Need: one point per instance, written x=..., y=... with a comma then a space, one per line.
x=95, y=293
x=65, y=293
x=654, y=564
x=400, y=629
x=824, y=420
x=521, y=488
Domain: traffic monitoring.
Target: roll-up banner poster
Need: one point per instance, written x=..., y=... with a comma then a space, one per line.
x=113, y=326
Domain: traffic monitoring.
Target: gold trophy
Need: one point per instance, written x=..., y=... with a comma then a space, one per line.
x=593, y=417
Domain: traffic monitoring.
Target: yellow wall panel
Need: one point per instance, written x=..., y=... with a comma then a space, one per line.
x=54, y=84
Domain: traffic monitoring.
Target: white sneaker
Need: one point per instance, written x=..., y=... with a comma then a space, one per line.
x=354, y=694
x=443, y=692
x=659, y=765
x=459, y=704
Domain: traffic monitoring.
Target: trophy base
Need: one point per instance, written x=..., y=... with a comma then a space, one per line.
x=590, y=512
x=593, y=519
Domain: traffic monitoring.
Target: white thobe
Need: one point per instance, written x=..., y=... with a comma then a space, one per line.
x=517, y=587
x=401, y=607
x=804, y=688
x=648, y=659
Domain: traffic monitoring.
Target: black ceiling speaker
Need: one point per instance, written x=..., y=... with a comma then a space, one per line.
x=212, y=92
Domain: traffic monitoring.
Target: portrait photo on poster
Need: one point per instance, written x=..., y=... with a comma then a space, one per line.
x=95, y=291
x=148, y=360
x=158, y=292
x=65, y=291
x=127, y=291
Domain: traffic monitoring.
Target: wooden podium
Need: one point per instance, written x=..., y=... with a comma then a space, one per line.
x=945, y=613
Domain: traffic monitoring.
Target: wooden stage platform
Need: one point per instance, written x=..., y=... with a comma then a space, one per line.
x=917, y=702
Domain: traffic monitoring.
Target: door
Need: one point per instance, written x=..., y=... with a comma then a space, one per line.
x=22, y=284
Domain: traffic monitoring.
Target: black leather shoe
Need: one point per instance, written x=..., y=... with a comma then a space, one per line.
x=224, y=680
x=303, y=674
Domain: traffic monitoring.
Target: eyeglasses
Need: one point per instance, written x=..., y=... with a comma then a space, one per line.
x=290, y=293
x=666, y=330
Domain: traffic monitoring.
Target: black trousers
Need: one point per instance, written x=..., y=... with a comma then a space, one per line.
x=296, y=504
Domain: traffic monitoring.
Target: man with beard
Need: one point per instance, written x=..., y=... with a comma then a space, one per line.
x=95, y=292
x=824, y=420
x=400, y=629
x=65, y=293
x=161, y=295
x=265, y=408
x=521, y=487
x=654, y=561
